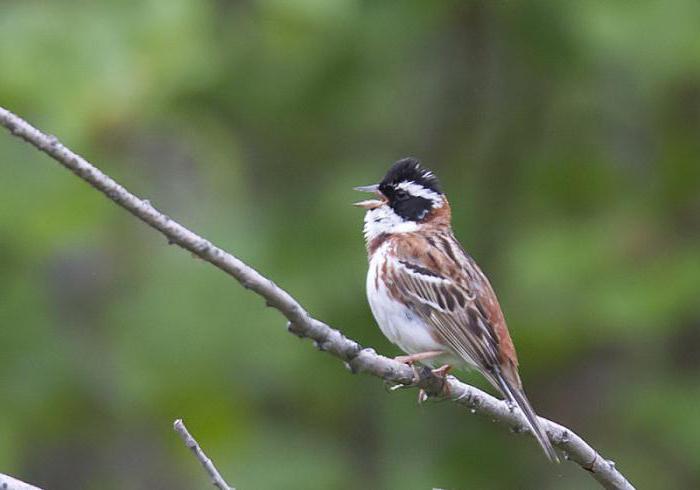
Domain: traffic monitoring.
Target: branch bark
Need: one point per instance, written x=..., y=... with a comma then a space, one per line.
x=9, y=483
x=302, y=324
x=207, y=463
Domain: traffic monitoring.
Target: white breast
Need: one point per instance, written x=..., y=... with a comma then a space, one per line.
x=397, y=322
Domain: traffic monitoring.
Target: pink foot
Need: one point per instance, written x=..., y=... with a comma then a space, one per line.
x=442, y=371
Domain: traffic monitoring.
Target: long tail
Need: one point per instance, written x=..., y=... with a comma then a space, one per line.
x=517, y=396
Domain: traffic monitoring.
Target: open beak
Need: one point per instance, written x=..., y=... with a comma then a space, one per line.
x=370, y=203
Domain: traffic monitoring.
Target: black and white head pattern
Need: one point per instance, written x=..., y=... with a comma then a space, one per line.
x=411, y=192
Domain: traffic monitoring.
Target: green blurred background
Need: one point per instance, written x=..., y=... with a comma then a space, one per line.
x=567, y=135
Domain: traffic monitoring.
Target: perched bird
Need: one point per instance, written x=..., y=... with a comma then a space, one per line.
x=428, y=295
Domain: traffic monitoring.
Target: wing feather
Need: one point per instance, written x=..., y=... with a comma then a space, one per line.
x=448, y=307
x=447, y=290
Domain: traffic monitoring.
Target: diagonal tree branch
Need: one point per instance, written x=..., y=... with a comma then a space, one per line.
x=301, y=323
x=9, y=483
x=207, y=463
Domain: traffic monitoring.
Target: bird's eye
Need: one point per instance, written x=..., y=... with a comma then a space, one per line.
x=401, y=194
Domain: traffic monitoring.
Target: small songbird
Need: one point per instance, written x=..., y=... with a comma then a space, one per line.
x=428, y=295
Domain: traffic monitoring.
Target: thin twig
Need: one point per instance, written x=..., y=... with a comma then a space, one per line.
x=9, y=483
x=207, y=463
x=304, y=325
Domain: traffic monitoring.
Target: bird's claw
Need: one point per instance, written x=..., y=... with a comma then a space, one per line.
x=442, y=371
x=422, y=396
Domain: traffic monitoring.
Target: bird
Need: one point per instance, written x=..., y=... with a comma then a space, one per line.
x=428, y=295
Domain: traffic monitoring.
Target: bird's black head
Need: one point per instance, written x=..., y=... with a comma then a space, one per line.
x=411, y=190
x=410, y=170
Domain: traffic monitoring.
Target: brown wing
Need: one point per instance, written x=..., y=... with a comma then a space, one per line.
x=447, y=289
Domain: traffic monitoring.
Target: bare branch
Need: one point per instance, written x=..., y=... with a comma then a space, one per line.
x=9, y=483
x=207, y=463
x=304, y=325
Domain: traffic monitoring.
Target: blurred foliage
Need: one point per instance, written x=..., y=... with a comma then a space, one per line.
x=566, y=135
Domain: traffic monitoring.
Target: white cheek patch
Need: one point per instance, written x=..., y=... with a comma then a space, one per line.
x=384, y=220
x=405, y=227
x=418, y=190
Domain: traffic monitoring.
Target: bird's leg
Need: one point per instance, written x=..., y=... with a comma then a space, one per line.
x=442, y=371
x=411, y=361
x=422, y=396
x=420, y=356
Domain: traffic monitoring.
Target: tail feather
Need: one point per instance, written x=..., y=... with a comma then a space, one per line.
x=517, y=396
